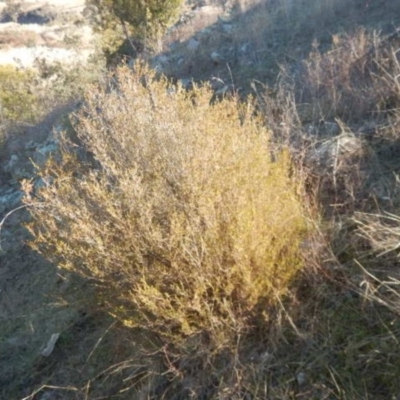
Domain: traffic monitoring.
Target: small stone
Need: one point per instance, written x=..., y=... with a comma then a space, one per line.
x=216, y=57
x=193, y=45
x=13, y=160
x=206, y=31
x=244, y=48
x=49, y=395
x=131, y=63
x=227, y=28
x=186, y=83
x=50, y=345
x=332, y=128
x=163, y=59
x=226, y=89
x=301, y=378
x=31, y=145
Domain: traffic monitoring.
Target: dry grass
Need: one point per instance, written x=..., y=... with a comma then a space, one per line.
x=19, y=38
x=351, y=81
x=340, y=114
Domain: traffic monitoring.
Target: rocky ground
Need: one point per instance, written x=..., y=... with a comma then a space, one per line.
x=30, y=308
x=54, y=30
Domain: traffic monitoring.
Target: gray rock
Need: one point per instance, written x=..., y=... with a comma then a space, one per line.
x=225, y=90
x=14, y=159
x=186, y=83
x=30, y=145
x=17, y=168
x=206, y=31
x=227, y=28
x=244, y=48
x=10, y=201
x=301, y=378
x=331, y=128
x=193, y=45
x=44, y=151
x=331, y=152
x=216, y=57
x=163, y=59
x=174, y=45
x=49, y=395
x=131, y=63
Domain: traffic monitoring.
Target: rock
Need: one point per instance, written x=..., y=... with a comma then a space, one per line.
x=331, y=152
x=16, y=168
x=227, y=28
x=186, y=83
x=301, y=378
x=323, y=128
x=163, y=59
x=31, y=145
x=9, y=201
x=216, y=57
x=193, y=45
x=331, y=128
x=48, y=395
x=206, y=31
x=266, y=357
x=14, y=159
x=244, y=48
x=223, y=18
x=209, y=11
x=50, y=345
x=225, y=90
x=44, y=151
x=131, y=63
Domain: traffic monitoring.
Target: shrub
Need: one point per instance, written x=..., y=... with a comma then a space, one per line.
x=17, y=102
x=145, y=21
x=187, y=216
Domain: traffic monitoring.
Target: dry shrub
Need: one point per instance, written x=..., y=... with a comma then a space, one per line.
x=189, y=217
x=356, y=78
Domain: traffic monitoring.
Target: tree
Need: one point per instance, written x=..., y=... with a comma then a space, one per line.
x=142, y=19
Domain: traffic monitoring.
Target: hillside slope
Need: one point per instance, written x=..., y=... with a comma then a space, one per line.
x=325, y=76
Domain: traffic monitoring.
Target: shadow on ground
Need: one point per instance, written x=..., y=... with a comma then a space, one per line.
x=253, y=45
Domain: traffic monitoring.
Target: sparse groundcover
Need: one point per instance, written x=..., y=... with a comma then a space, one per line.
x=188, y=218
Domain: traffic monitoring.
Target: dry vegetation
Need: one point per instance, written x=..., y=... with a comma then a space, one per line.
x=205, y=250
x=236, y=248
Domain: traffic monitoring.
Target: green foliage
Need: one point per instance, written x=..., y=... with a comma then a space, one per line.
x=192, y=220
x=146, y=20
x=17, y=101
